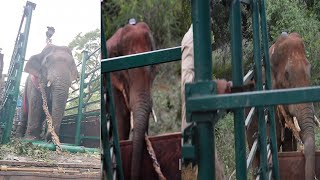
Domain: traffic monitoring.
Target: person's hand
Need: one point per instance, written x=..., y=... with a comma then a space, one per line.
x=223, y=86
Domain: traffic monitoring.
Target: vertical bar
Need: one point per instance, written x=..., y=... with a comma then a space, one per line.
x=273, y=143
x=203, y=72
x=81, y=96
x=20, y=61
x=261, y=119
x=237, y=78
x=111, y=111
x=106, y=158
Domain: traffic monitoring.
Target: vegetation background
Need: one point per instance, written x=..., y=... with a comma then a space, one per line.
x=170, y=19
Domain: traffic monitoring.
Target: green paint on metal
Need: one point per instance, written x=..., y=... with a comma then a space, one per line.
x=256, y=98
x=237, y=79
x=105, y=139
x=203, y=72
x=141, y=59
x=15, y=73
x=259, y=86
x=271, y=113
x=81, y=97
x=64, y=147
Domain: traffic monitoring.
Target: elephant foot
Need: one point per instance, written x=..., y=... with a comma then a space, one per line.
x=32, y=138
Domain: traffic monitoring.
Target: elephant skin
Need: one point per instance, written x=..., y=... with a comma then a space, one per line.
x=291, y=69
x=56, y=69
x=132, y=88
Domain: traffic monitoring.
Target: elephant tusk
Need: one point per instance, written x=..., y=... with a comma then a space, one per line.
x=296, y=124
x=154, y=115
x=316, y=120
x=49, y=84
x=131, y=120
x=125, y=98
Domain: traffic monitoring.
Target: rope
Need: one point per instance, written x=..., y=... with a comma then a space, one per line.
x=156, y=165
x=54, y=136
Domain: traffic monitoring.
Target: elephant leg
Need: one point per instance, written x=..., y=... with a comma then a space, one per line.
x=34, y=115
x=122, y=115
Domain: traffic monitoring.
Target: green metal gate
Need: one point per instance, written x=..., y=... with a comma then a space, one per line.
x=89, y=85
x=201, y=101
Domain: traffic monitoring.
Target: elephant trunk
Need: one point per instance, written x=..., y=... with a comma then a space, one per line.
x=141, y=111
x=306, y=121
x=59, y=100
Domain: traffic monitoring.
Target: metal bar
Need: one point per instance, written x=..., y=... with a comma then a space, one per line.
x=262, y=135
x=256, y=98
x=66, y=147
x=141, y=59
x=7, y=131
x=90, y=137
x=249, y=117
x=81, y=95
x=92, y=102
x=104, y=130
x=74, y=107
x=203, y=72
x=252, y=153
x=265, y=40
x=69, y=100
x=93, y=52
x=248, y=77
x=237, y=79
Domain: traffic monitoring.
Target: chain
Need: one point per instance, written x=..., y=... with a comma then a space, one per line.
x=152, y=154
x=54, y=136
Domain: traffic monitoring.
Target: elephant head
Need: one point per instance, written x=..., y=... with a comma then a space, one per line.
x=56, y=68
x=132, y=87
x=291, y=69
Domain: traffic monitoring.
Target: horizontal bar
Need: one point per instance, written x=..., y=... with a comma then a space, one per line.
x=254, y=98
x=67, y=147
x=141, y=59
x=90, y=137
x=245, y=1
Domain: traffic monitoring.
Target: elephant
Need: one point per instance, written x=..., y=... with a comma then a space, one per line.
x=132, y=87
x=56, y=69
x=295, y=123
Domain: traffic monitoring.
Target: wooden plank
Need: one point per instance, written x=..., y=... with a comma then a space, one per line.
x=44, y=164
x=167, y=148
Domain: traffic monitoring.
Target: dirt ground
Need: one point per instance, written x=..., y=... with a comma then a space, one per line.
x=17, y=150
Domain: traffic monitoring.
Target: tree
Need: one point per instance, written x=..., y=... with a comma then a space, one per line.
x=90, y=42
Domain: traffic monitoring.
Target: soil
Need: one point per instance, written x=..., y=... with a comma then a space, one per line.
x=16, y=150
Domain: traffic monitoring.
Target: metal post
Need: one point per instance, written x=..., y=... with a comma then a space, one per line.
x=237, y=78
x=104, y=130
x=273, y=143
x=261, y=119
x=203, y=72
x=81, y=96
x=19, y=61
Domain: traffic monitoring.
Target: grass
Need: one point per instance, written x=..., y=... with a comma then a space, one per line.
x=26, y=151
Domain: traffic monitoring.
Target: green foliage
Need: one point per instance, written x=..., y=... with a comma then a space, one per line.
x=17, y=147
x=90, y=42
x=293, y=16
x=168, y=19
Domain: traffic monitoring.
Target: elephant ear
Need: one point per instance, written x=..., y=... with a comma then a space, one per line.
x=74, y=74
x=74, y=71
x=33, y=65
